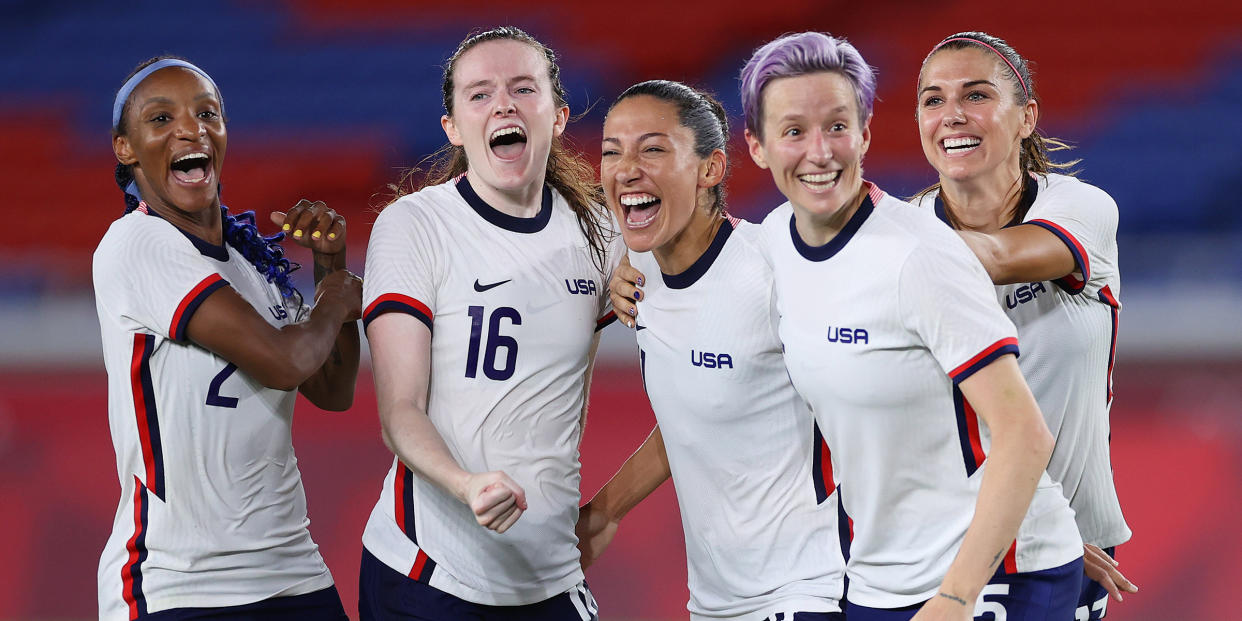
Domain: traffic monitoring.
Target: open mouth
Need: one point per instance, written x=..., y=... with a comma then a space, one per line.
x=191, y=167
x=964, y=144
x=820, y=181
x=640, y=209
x=508, y=142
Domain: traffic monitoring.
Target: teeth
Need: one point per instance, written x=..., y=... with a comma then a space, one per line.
x=958, y=143
x=631, y=200
x=190, y=156
x=506, y=131
x=820, y=177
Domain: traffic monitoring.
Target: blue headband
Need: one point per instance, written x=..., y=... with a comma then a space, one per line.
x=123, y=95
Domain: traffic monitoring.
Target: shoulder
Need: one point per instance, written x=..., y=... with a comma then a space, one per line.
x=135, y=235
x=1063, y=188
x=919, y=225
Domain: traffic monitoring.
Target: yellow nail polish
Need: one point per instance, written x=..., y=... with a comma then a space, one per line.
x=316, y=235
x=285, y=228
x=297, y=233
x=331, y=235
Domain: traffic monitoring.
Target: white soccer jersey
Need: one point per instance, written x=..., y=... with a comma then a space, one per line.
x=756, y=493
x=212, y=510
x=1068, y=331
x=513, y=304
x=879, y=326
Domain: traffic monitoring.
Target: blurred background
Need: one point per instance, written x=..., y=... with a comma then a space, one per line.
x=332, y=101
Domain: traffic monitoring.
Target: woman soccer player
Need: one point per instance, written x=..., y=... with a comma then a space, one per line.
x=1049, y=243
x=504, y=254
x=755, y=490
x=893, y=336
x=205, y=345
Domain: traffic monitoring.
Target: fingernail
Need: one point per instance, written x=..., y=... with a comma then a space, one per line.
x=297, y=233
x=638, y=295
x=316, y=235
x=629, y=323
x=285, y=228
x=331, y=235
x=633, y=311
x=640, y=281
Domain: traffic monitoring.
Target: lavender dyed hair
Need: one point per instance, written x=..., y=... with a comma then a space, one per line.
x=800, y=54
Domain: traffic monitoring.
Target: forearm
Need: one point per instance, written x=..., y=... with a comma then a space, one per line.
x=640, y=475
x=1014, y=464
x=410, y=435
x=332, y=385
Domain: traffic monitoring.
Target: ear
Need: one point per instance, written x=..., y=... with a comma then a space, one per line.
x=866, y=138
x=562, y=119
x=450, y=130
x=1030, y=116
x=123, y=151
x=713, y=169
x=755, y=147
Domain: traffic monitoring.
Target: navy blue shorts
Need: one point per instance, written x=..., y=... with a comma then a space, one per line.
x=1048, y=595
x=322, y=605
x=386, y=594
x=1093, y=602
x=808, y=616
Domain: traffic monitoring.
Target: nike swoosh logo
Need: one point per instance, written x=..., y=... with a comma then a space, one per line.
x=638, y=327
x=481, y=288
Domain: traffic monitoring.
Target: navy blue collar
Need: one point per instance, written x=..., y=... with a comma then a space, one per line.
x=701, y=265
x=834, y=245
x=1029, y=192
x=503, y=220
x=204, y=247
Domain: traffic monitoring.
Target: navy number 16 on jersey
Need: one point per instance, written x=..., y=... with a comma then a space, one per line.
x=495, y=341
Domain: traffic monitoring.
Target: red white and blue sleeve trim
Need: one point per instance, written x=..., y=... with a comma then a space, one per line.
x=190, y=303
x=1070, y=283
x=984, y=358
x=395, y=302
x=603, y=322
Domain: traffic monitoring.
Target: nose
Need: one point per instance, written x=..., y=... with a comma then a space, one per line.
x=819, y=151
x=954, y=115
x=504, y=104
x=190, y=127
x=626, y=169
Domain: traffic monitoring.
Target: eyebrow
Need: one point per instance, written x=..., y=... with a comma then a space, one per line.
x=965, y=85
x=488, y=82
x=640, y=138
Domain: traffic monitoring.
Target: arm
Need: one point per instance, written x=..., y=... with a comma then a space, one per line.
x=624, y=292
x=401, y=359
x=640, y=475
x=280, y=358
x=322, y=230
x=1021, y=446
x=1023, y=253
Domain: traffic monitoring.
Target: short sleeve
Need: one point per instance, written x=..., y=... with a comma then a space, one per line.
x=148, y=272
x=946, y=298
x=1084, y=218
x=401, y=266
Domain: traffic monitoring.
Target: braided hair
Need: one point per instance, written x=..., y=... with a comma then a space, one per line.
x=240, y=232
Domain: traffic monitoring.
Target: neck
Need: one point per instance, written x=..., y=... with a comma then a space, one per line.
x=523, y=202
x=817, y=230
x=204, y=224
x=984, y=204
x=689, y=245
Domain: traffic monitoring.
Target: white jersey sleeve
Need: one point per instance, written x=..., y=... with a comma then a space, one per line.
x=160, y=295
x=945, y=298
x=408, y=285
x=1084, y=217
